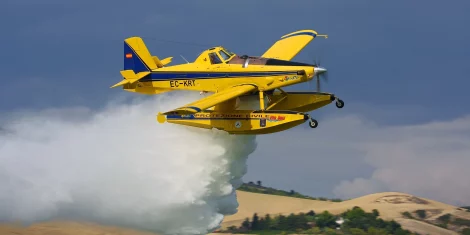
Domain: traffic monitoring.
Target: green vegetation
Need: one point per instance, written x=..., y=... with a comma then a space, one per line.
x=259, y=188
x=461, y=222
x=421, y=213
x=444, y=218
x=447, y=219
x=407, y=215
x=466, y=231
x=466, y=208
x=356, y=222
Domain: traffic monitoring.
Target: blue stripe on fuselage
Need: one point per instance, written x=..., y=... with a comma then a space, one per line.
x=156, y=76
x=202, y=118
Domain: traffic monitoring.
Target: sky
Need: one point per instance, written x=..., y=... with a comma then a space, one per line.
x=400, y=66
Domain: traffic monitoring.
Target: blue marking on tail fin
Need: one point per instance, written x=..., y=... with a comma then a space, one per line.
x=132, y=60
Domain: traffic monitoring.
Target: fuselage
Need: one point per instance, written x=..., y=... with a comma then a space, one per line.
x=231, y=77
x=212, y=75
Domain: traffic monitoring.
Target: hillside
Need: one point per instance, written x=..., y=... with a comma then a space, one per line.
x=391, y=205
x=258, y=188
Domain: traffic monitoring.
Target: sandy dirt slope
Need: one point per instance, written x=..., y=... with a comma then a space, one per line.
x=423, y=227
x=68, y=228
x=390, y=206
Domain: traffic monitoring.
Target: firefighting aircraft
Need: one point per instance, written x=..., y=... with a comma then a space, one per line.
x=230, y=76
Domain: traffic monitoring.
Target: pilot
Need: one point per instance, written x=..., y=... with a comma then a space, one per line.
x=214, y=58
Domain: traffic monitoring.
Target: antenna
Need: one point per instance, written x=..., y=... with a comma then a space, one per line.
x=184, y=59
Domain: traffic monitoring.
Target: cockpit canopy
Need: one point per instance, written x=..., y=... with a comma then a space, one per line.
x=219, y=55
x=215, y=55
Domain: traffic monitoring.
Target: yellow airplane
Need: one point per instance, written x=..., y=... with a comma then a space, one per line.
x=230, y=77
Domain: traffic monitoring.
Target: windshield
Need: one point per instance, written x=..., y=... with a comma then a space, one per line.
x=228, y=52
x=214, y=58
x=224, y=55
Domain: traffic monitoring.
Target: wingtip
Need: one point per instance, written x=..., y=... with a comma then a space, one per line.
x=161, y=118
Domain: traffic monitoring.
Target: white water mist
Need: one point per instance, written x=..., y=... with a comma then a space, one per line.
x=119, y=166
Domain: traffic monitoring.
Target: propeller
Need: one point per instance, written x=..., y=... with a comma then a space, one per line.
x=320, y=73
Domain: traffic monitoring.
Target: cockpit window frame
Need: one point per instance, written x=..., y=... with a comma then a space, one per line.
x=222, y=53
x=228, y=52
x=220, y=61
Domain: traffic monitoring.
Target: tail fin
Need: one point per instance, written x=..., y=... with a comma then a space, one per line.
x=137, y=57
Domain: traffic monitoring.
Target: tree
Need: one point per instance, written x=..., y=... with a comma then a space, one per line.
x=356, y=231
x=392, y=227
x=407, y=214
x=255, y=222
x=358, y=218
x=246, y=224
x=421, y=213
x=376, y=231
x=262, y=224
x=315, y=230
x=375, y=212
x=296, y=221
x=326, y=219
x=269, y=222
x=444, y=218
x=466, y=231
x=283, y=223
x=258, y=182
x=330, y=231
x=292, y=192
x=311, y=213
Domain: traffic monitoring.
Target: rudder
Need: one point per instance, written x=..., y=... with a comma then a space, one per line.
x=136, y=56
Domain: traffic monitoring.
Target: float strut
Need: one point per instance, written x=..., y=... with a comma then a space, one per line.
x=261, y=100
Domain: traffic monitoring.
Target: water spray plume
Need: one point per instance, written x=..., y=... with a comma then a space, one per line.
x=119, y=167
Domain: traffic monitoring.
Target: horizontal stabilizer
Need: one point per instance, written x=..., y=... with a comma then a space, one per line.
x=166, y=60
x=161, y=63
x=130, y=77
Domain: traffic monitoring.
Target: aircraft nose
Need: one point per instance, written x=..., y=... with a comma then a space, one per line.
x=310, y=71
x=319, y=70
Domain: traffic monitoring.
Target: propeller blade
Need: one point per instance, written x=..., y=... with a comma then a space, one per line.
x=322, y=73
x=318, y=83
x=325, y=76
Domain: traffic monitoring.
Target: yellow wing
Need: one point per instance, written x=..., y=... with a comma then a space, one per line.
x=213, y=100
x=291, y=44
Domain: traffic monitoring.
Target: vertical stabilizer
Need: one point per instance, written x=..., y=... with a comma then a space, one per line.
x=137, y=57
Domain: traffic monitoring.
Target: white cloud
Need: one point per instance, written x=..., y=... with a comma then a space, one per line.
x=352, y=156
x=429, y=160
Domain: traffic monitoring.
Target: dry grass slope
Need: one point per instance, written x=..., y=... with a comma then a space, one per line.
x=390, y=205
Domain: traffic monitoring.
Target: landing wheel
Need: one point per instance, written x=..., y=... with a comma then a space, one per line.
x=313, y=123
x=339, y=103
